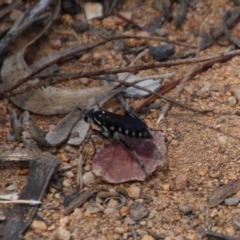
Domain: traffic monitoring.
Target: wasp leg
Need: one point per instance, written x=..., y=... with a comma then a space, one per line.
x=139, y=161
x=99, y=134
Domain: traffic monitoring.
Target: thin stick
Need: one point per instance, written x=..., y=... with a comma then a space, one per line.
x=20, y=201
x=134, y=233
x=164, y=112
x=57, y=78
x=79, y=171
x=204, y=67
x=160, y=96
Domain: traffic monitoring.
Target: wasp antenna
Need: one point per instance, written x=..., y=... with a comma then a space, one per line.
x=98, y=106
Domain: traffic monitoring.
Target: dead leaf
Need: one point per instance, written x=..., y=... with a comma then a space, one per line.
x=115, y=164
x=221, y=193
x=52, y=100
x=20, y=216
x=15, y=69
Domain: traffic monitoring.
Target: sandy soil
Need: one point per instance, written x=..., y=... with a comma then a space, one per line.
x=199, y=160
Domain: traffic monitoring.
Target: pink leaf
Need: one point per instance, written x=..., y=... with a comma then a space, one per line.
x=115, y=164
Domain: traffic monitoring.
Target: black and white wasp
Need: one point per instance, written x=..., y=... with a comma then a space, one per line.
x=112, y=124
x=129, y=124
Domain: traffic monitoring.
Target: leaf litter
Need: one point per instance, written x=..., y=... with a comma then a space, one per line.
x=186, y=151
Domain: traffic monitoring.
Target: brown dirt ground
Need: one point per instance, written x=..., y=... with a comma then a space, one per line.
x=194, y=151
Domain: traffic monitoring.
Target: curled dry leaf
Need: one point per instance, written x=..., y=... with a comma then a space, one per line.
x=22, y=24
x=52, y=100
x=15, y=70
x=115, y=164
x=73, y=121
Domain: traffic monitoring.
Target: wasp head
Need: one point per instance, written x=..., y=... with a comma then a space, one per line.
x=89, y=116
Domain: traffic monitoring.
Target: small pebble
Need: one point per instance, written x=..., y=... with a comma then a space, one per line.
x=97, y=55
x=150, y=224
x=189, y=89
x=64, y=221
x=70, y=174
x=132, y=42
x=24, y=171
x=154, y=106
x=38, y=226
x=55, y=43
x=233, y=201
x=147, y=237
x=186, y=209
x=110, y=23
x=204, y=95
x=85, y=58
x=161, y=32
x=88, y=178
x=175, y=143
x=152, y=214
x=80, y=26
x=77, y=213
x=112, y=203
x=181, y=182
x=126, y=236
x=57, y=195
x=62, y=234
x=67, y=183
x=112, y=212
x=124, y=211
x=162, y=52
x=236, y=92
x=222, y=140
x=134, y=191
x=64, y=158
x=87, y=213
x=232, y=101
x=129, y=221
x=84, y=81
x=206, y=87
x=94, y=208
x=143, y=223
x=140, y=211
x=166, y=187
x=70, y=149
x=11, y=187
x=119, y=230
x=215, y=174
x=93, y=10
x=141, y=232
x=87, y=168
x=52, y=227
x=214, y=213
x=15, y=14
